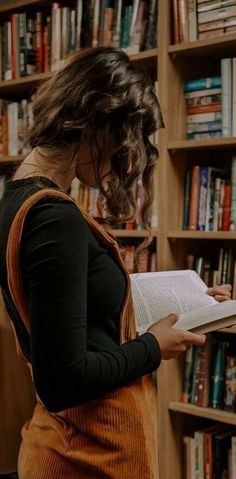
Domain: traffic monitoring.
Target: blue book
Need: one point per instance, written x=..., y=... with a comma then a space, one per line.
x=201, y=222
x=202, y=83
x=187, y=192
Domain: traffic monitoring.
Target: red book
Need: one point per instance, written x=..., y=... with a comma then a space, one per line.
x=203, y=376
x=194, y=199
x=212, y=107
x=226, y=208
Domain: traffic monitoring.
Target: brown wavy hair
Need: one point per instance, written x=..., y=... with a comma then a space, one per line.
x=98, y=94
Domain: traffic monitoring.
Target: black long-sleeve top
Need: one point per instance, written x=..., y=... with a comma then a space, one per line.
x=75, y=292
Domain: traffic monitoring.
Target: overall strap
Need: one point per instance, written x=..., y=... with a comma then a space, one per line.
x=127, y=320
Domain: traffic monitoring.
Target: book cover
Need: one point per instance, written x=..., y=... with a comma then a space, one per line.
x=218, y=375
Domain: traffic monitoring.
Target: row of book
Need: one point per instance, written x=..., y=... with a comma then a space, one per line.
x=15, y=119
x=210, y=453
x=210, y=375
x=201, y=19
x=210, y=199
x=146, y=259
x=38, y=42
x=219, y=269
x=210, y=103
x=89, y=199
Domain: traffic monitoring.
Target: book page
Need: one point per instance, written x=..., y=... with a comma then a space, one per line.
x=158, y=294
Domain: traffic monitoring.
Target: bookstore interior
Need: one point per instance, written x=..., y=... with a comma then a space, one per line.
x=188, y=49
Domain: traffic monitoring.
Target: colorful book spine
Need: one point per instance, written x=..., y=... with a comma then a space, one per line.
x=194, y=201
x=187, y=191
x=226, y=74
x=201, y=224
x=202, y=83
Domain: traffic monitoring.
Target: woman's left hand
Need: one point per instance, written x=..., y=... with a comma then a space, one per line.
x=220, y=293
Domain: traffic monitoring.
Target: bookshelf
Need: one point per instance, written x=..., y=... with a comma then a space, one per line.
x=174, y=63
x=177, y=63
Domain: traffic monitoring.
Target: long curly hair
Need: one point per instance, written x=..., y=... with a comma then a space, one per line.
x=98, y=94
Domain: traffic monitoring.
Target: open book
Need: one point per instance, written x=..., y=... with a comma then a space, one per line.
x=158, y=294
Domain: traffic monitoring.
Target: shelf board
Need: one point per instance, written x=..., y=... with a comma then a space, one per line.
x=23, y=85
x=133, y=233
x=218, y=235
x=207, y=412
x=217, y=45
x=231, y=330
x=215, y=143
x=7, y=5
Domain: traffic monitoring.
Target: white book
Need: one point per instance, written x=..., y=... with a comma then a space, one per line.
x=204, y=117
x=95, y=23
x=212, y=5
x=12, y=114
x=200, y=93
x=233, y=96
x=217, y=14
x=226, y=74
x=192, y=20
x=182, y=292
x=56, y=36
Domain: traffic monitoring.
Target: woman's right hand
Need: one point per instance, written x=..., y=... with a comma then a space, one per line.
x=172, y=341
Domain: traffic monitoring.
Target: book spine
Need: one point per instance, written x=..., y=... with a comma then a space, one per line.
x=233, y=96
x=79, y=14
x=187, y=190
x=216, y=401
x=217, y=14
x=226, y=73
x=187, y=376
x=213, y=107
x=204, y=127
x=212, y=5
x=176, y=21
x=216, y=206
x=204, y=117
x=226, y=208
x=192, y=20
x=150, y=40
x=230, y=384
x=233, y=195
x=39, y=54
x=197, y=94
x=233, y=443
x=30, y=57
x=193, y=214
x=183, y=21
x=203, y=378
x=203, y=100
x=202, y=84
x=56, y=36
x=22, y=44
x=12, y=128
x=201, y=224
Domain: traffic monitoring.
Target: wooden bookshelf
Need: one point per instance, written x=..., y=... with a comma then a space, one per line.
x=177, y=63
x=212, y=46
x=211, y=143
x=216, y=235
x=205, y=412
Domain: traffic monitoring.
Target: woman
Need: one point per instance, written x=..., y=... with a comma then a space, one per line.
x=69, y=297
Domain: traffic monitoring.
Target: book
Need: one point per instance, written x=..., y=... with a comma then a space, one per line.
x=181, y=292
x=202, y=83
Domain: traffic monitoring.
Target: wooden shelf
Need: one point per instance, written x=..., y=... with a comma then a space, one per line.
x=11, y=159
x=217, y=46
x=9, y=5
x=217, y=235
x=231, y=330
x=207, y=412
x=133, y=233
x=210, y=143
